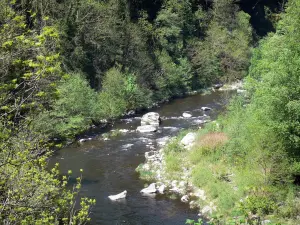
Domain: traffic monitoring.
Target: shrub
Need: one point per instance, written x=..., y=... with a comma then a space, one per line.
x=72, y=112
x=120, y=92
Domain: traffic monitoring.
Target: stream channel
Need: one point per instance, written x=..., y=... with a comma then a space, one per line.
x=109, y=165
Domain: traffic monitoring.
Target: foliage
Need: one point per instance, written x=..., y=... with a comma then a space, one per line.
x=193, y=222
x=224, y=54
x=30, y=70
x=73, y=111
x=67, y=64
x=120, y=92
x=251, y=175
x=30, y=194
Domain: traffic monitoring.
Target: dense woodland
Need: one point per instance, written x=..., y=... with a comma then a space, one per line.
x=68, y=64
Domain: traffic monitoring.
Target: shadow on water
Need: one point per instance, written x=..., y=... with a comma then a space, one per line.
x=109, y=165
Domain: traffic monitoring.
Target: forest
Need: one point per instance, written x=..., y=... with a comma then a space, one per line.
x=66, y=65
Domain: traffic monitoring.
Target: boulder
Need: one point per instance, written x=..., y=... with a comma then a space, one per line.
x=118, y=196
x=161, y=189
x=123, y=131
x=185, y=198
x=188, y=139
x=82, y=140
x=186, y=115
x=151, y=118
x=205, y=108
x=150, y=189
x=146, y=128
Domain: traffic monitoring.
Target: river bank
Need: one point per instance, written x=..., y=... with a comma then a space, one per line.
x=109, y=163
x=106, y=124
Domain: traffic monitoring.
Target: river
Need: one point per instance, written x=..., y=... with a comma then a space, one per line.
x=109, y=165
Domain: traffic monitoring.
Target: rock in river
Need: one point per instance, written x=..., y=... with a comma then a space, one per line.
x=185, y=198
x=118, y=196
x=205, y=108
x=151, y=118
x=186, y=115
x=146, y=128
x=150, y=189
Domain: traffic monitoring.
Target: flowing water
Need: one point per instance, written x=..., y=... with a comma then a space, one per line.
x=109, y=165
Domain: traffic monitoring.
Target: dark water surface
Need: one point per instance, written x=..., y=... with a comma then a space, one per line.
x=109, y=166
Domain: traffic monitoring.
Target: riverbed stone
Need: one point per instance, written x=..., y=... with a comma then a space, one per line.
x=204, y=108
x=185, y=198
x=150, y=189
x=188, y=140
x=146, y=128
x=151, y=118
x=123, y=131
x=186, y=115
x=161, y=189
x=118, y=196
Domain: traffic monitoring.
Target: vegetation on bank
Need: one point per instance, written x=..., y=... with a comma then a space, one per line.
x=248, y=161
x=67, y=64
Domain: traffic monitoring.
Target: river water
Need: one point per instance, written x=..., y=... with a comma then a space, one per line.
x=109, y=165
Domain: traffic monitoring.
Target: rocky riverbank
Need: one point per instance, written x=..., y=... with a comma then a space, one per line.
x=154, y=169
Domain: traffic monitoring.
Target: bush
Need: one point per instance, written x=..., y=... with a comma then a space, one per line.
x=120, y=92
x=72, y=112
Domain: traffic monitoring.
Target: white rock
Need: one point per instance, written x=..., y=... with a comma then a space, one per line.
x=188, y=139
x=205, y=108
x=150, y=189
x=175, y=190
x=82, y=140
x=118, y=196
x=198, y=122
x=265, y=222
x=146, y=128
x=186, y=115
x=124, y=130
x=184, y=198
x=127, y=146
x=161, y=189
x=151, y=118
